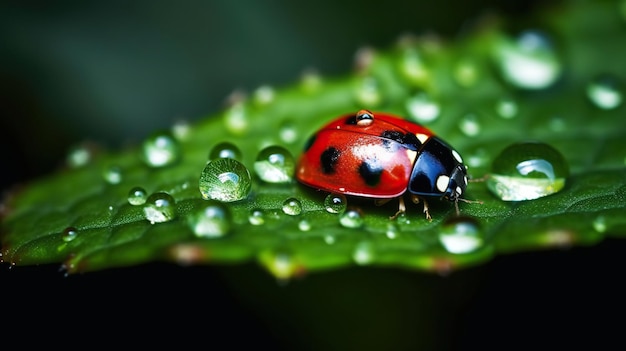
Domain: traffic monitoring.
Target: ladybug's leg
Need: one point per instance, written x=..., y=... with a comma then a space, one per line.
x=401, y=208
x=416, y=200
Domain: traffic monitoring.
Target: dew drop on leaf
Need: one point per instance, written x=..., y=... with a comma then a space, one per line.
x=351, y=218
x=159, y=207
x=363, y=253
x=335, y=203
x=79, y=156
x=288, y=132
x=212, y=220
x=466, y=73
x=292, y=206
x=137, y=196
x=506, y=108
x=460, y=235
x=160, y=149
x=304, y=225
x=226, y=180
x=112, y=174
x=69, y=234
x=263, y=95
x=275, y=164
x=225, y=149
x=526, y=171
x=422, y=108
x=367, y=92
x=236, y=118
x=469, y=125
x=256, y=217
x=605, y=92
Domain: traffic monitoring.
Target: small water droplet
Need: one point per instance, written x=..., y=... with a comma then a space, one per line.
x=161, y=149
x=292, y=206
x=256, y=217
x=605, y=92
x=329, y=239
x=275, y=164
x=69, y=234
x=226, y=180
x=526, y=171
x=506, y=108
x=288, y=132
x=363, y=253
x=422, y=108
x=351, y=218
x=137, y=196
x=304, y=225
x=212, y=220
x=225, y=149
x=460, y=235
x=412, y=66
x=392, y=230
x=599, y=224
x=368, y=92
x=159, y=207
x=236, y=117
x=335, y=203
x=529, y=61
x=79, y=156
x=469, y=125
x=112, y=174
x=263, y=95
x=466, y=73
x=181, y=129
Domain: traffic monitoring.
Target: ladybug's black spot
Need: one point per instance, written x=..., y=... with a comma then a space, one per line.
x=309, y=142
x=370, y=173
x=351, y=120
x=329, y=159
x=408, y=140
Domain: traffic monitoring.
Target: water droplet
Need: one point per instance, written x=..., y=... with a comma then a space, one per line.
x=506, y=108
x=469, y=125
x=256, y=217
x=137, y=196
x=335, y=203
x=351, y=218
x=460, y=235
x=181, y=129
x=161, y=149
x=412, y=66
x=159, y=208
x=422, y=108
x=304, y=225
x=288, y=132
x=113, y=174
x=466, y=73
x=526, y=171
x=226, y=180
x=363, y=253
x=599, y=224
x=392, y=230
x=367, y=92
x=225, y=149
x=292, y=206
x=263, y=95
x=529, y=61
x=236, y=118
x=79, y=156
x=605, y=92
x=212, y=220
x=69, y=234
x=310, y=81
x=275, y=164
x=478, y=158
x=329, y=239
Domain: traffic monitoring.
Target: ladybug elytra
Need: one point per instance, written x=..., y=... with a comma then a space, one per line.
x=382, y=157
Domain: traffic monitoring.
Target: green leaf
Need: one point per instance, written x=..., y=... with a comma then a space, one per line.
x=484, y=92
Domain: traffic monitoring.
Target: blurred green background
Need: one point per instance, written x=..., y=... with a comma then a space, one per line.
x=113, y=71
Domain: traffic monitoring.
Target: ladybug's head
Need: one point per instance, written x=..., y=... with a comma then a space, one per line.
x=457, y=184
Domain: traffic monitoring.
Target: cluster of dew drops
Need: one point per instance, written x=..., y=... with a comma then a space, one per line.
x=522, y=171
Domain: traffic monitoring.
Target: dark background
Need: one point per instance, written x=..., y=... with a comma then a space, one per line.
x=112, y=72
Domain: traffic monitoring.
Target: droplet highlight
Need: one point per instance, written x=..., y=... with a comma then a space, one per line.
x=275, y=164
x=292, y=206
x=225, y=180
x=335, y=203
x=137, y=196
x=527, y=171
x=69, y=234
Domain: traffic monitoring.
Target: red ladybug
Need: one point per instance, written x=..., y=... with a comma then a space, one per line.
x=382, y=156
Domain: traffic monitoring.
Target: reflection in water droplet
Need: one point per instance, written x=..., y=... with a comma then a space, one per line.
x=422, y=108
x=225, y=149
x=335, y=203
x=69, y=234
x=160, y=149
x=159, y=207
x=352, y=218
x=226, y=180
x=113, y=175
x=605, y=92
x=529, y=61
x=469, y=125
x=275, y=164
x=460, y=235
x=137, y=196
x=526, y=171
x=292, y=206
x=212, y=220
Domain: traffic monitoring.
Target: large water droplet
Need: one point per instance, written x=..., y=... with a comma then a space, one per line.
x=137, y=196
x=605, y=92
x=460, y=235
x=351, y=218
x=161, y=149
x=275, y=164
x=225, y=180
x=225, y=149
x=292, y=206
x=159, y=207
x=529, y=61
x=526, y=171
x=422, y=108
x=335, y=203
x=212, y=220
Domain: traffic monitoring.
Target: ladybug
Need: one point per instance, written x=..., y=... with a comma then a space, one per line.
x=382, y=157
